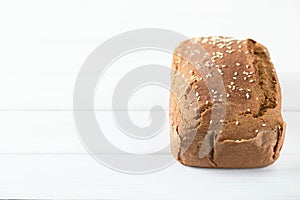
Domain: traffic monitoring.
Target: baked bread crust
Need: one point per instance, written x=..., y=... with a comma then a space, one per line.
x=253, y=130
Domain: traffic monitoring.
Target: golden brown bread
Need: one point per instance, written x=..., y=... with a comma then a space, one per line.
x=252, y=131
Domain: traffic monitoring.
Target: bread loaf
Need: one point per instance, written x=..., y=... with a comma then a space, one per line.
x=250, y=128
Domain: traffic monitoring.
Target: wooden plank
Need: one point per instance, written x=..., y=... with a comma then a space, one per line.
x=80, y=176
x=53, y=132
x=55, y=92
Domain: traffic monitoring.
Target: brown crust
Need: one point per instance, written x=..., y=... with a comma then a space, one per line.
x=253, y=130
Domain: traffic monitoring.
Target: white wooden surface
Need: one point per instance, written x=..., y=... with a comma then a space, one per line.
x=42, y=47
x=75, y=174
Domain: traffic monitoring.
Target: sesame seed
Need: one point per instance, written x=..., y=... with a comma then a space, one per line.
x=193, y=77
x=237, y=123
x=232, y=83
x=194, y=41
x=197, y=94
x=208, y=75
x=237, y=64
x=210, y=122
x=235, y=73
x=245, y=78
x=251, y=81
x=198, y=98
x=247, y=66
x=230, y=43
x=223, y=66
x=197, y=51
x=207, y=64
x=234, y=78
x=247, y=95
x=206, y=102
x=227, y=95
x=263, y=124
x=221, y=120
x=191, y=71
x=240, y=46
x=248, y=110
x=241, y=89
x=219, y=53
x=204, y=40
x=229, y=51
x=256, y=131
x=233, y=87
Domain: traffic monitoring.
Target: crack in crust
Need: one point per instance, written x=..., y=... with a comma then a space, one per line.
x=240, y=141
x=280, y=137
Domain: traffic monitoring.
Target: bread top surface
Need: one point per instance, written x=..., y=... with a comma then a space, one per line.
x=250, y=86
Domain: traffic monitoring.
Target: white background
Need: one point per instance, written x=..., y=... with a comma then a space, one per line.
x=42, y=47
